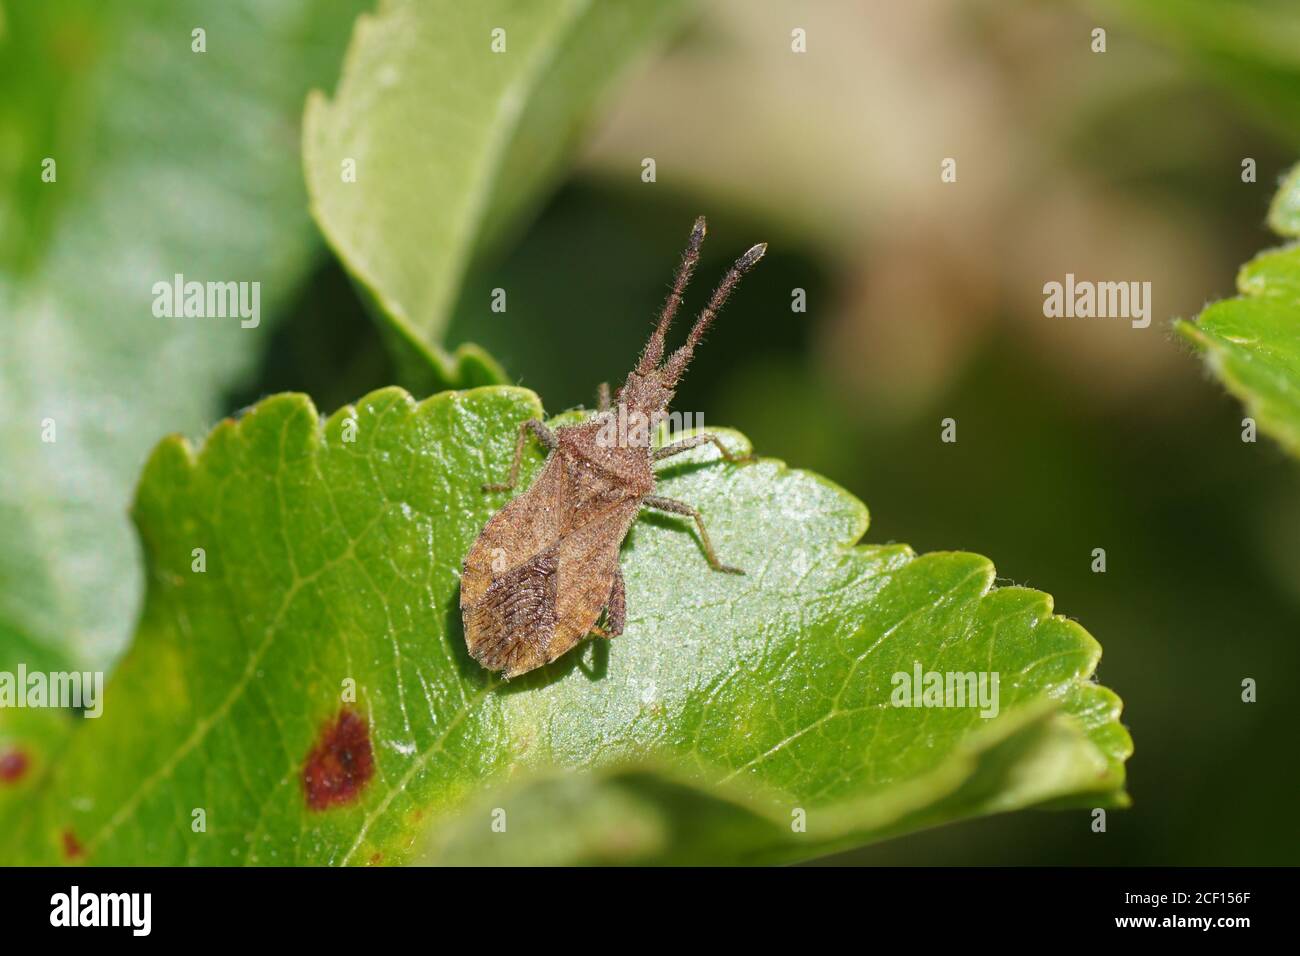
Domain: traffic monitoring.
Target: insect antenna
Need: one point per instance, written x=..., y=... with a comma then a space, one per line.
x=676, y=363
x=654, y=349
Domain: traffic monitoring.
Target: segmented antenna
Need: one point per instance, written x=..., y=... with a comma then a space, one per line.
x=676, y=364
x=654, y=349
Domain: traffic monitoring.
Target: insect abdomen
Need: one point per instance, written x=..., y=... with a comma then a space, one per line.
x=511, y=627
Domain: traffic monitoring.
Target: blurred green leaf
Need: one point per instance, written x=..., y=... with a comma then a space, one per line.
x=329, y=561
x=453, y=143
x=1252, y=342
x=1250, y=47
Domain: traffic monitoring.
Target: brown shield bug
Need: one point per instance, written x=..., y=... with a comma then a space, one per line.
x=546, y=565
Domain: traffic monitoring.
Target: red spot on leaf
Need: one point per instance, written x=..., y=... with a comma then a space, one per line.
x=72, y=849
x=376, y=859
x=340, y=764
x=13, y=765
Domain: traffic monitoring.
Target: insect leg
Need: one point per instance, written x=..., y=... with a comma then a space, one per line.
x=616, y=609
x=681, y=508
x=544, y=435
x=686, y=444
x=616, y=615
x=602, y=397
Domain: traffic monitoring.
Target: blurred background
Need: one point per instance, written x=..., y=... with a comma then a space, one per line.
x=924, y=302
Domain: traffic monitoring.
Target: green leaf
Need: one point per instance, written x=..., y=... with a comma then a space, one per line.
x=166, y=161
x=1252, y=342
x=332, y=561
x=453, y=143
x=654, y=815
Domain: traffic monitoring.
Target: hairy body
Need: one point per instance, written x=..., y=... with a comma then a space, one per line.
x=545, y=567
